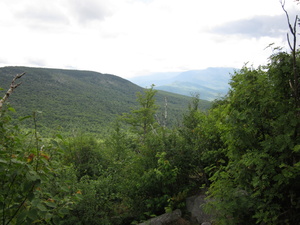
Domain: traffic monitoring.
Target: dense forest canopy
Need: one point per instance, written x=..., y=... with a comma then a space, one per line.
x=245, y=150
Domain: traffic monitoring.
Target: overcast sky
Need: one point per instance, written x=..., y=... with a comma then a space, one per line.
x=136, y=37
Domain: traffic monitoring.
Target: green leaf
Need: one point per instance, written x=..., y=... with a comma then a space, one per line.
x=48, y=216
x=221, y=161
x=16, y=161
x=59, y=136
x=31, y=196
x=35, y=202
x=296, y=148
x=63, y=211
x=27, y=186
x=33, y=214
x=21, y=217
x=32, y=176
x=24, y=118
x=11, y=109
x=51, y=204
x=41, y=207
x=3, y=161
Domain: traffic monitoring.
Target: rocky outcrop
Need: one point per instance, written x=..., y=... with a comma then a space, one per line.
x=196, y=216
x=165, y=219
x=194, y=205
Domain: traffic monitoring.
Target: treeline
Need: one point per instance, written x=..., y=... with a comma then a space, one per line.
x=245, y=150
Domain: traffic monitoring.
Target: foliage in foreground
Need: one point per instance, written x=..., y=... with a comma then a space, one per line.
x=259, y=123
x=35, y=187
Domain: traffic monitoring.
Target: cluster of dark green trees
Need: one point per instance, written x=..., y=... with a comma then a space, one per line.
x=245, y=150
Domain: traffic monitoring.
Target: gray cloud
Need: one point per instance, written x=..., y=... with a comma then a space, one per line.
x=36, y=62
x=3, y=61
x=259, y=26
x=42, y=14
x=89, y=10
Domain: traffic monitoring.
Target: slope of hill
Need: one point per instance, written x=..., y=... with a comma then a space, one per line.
x=74, y=99
x=210, y=83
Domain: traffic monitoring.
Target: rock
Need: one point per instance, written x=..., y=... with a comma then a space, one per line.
x=206, y=223
x=164, y=219
x=194, y=206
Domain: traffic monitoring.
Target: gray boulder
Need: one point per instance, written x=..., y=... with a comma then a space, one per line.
x=167, y=218
x=206, y=223
x=194, y=206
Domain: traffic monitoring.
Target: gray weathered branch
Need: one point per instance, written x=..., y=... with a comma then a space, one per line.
x=13, y=86
x=294, y=84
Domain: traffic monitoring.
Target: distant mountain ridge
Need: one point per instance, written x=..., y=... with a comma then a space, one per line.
x=209, y=83
x=79, y=99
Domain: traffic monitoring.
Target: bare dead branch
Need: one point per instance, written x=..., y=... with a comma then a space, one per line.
x=295, y=24
x=294, y=83
x=293, y=29
x=13, y=86
x=288, y=39
x=166, y=112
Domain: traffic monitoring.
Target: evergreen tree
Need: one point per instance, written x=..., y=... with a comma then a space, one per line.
x=142, y=120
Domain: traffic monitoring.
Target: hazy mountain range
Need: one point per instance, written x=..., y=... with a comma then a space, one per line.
x=209, y=83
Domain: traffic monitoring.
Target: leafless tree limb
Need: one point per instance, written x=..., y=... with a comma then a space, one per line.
x=13, y=86
x=294, y=84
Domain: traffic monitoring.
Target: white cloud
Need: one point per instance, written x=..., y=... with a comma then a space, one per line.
x=135, y=37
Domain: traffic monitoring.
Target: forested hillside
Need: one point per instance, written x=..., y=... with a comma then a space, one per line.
x=83, y=100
